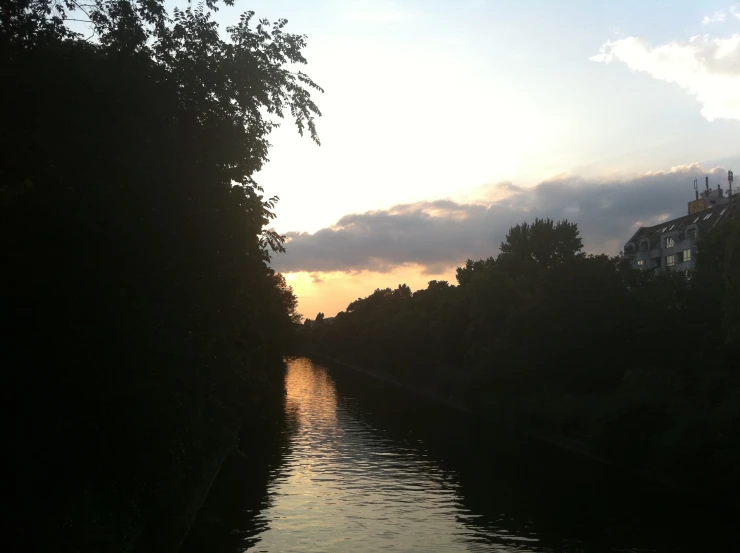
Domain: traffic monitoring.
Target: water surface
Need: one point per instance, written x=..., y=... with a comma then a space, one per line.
x=363, y=467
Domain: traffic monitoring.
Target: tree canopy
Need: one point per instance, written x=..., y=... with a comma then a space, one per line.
x=544, y=242
x=638, y=366
x=143, y=314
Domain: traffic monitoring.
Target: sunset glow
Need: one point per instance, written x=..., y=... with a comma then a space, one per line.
x=428, y=101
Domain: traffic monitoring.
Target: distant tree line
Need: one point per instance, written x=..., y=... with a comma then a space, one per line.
x=141, y=318
x=639, y=367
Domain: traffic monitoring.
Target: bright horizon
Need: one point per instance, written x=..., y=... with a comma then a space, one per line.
x=430, y=101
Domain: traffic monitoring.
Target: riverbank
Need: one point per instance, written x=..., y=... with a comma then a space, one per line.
x=226, y=520
x=560, y=442
x=171, y=531
x=166, y=533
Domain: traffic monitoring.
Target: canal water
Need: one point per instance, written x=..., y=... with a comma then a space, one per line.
x=359, y=466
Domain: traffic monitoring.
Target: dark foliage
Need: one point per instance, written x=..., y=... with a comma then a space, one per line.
x=141, y=316
x=636, y=367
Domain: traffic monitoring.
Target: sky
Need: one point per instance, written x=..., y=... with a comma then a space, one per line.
x=446, y=122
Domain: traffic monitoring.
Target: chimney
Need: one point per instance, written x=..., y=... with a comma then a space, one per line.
x=729, y=180
x=696, y=188
x=707, y=182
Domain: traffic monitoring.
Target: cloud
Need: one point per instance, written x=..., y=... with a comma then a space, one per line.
x=708, y=68
x=441, y=234
x=716, y=17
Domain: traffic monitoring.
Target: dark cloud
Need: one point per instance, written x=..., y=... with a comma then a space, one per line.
x=442, y=234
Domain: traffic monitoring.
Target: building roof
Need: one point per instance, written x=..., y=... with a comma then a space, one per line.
x=703, y=220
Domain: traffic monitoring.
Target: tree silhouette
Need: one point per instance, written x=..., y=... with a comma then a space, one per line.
x=142, y=311
x=544, y=242
x=573, y=347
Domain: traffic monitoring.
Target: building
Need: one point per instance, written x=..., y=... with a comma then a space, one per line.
x=671, y=245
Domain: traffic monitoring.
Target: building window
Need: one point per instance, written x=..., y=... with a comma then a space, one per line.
x=691, y=233
x=670, y=260
x=686, y=255
x=669, y=243
x=639, y=263
x=643, y=246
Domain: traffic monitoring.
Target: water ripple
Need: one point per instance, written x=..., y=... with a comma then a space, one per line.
x=345, y=486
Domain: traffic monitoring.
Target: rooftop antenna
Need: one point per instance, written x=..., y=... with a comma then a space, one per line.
x=696, y=188
x=730, y=178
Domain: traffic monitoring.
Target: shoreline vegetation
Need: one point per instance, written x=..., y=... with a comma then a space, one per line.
x=634, y=368
x=143, y=324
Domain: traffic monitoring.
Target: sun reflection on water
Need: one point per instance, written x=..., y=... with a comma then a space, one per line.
x=347, y=486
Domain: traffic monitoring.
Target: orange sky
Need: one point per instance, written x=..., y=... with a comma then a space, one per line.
x=332, y=292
